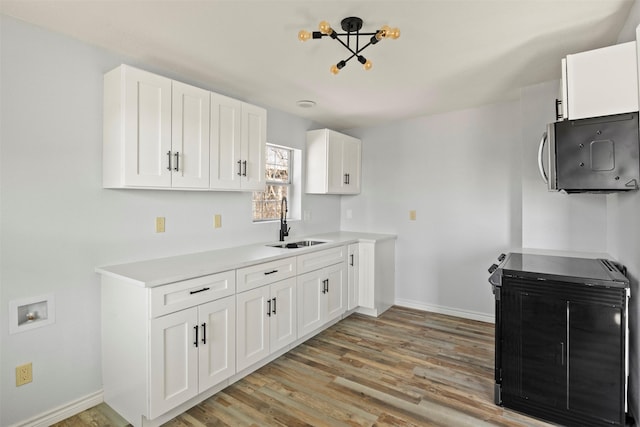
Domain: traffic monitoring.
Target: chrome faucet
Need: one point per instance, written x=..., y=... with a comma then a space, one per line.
x=284, y=230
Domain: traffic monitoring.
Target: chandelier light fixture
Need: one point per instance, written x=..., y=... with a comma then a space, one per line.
x=352, y=26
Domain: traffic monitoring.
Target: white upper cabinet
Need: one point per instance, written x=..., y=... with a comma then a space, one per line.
x=254, y=140
x=156, y=132
x=164, y=134
x=333, y=163
x=238, y=139
x=190, y=136
x=226, y=128
x=600, y=82
x=137, y=129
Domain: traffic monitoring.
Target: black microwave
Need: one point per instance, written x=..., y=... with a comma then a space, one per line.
x=594, y=155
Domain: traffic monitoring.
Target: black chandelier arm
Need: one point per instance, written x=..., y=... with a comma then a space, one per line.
x=363, y=47
x=349, y=58
x=347, y=46
x=318, y=34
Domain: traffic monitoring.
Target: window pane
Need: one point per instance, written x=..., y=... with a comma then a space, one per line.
x=266, y=205
x=277, y=164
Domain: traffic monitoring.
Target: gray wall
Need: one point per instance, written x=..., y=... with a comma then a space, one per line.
x=624, y=245
x=455, y=170
x=552, y=220
x=57, y=223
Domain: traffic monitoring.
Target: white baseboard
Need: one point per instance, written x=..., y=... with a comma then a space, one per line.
x=465, y=314
x=63, y=412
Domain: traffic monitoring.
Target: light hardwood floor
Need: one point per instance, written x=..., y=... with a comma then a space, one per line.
x=405, y=368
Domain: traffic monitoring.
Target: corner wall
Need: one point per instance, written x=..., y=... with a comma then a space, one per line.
x=624, y=244
x=459, y=171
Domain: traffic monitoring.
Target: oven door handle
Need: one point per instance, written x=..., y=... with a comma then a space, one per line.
x=543, y=174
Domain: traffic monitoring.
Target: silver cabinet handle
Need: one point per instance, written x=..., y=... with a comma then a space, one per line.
x=244, y=164
x=543, y=174
x=169, y=156
x=239, y=168
x=177, y=168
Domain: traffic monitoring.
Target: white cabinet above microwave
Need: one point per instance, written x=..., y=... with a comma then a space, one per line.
x=600, y=82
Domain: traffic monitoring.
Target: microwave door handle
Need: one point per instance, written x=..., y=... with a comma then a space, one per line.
x=543, y=174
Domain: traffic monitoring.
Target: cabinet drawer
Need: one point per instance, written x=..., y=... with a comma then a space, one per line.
x=265, y=273
x=316, y=260
x=188, y=293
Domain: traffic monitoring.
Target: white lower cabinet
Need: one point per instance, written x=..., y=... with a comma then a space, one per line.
x=353, y=268
x=190, y=351
x=322, y=297
x=266, y=321
x=217, y=357
x=173, y=376
x=376, y=276
x=166, y=347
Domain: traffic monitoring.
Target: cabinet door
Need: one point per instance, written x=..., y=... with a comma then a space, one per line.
x=312, y=305
x=534, y=346
x=283, y=326
x=190, y=136
x=335, y=168
x=252, y=343
x=226, y=129
x=147, y=129
x=217, y=358
x=351, y=161
x=254, y=139
x=336, y=291
x=173, y=371
x=602, y=82
x=353, y=262
x=596, y=360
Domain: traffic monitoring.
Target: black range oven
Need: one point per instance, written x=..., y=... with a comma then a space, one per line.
x=561, y=337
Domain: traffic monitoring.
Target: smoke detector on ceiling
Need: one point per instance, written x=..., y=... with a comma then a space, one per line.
x=305, y=103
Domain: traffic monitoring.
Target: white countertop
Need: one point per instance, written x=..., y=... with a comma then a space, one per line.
x=161, y=271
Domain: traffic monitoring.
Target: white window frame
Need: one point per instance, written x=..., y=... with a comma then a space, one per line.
x=293, y=187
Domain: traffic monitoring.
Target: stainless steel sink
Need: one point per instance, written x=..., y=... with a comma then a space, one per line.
x=297, y=245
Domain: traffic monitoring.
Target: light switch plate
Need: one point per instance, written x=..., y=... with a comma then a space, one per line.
x=160, y=224
x=217, y=221
x=412, y=215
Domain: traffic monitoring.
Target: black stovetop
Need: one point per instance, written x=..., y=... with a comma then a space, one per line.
x=550, y=267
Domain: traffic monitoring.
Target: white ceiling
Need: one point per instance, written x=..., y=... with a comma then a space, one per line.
x=452, y=54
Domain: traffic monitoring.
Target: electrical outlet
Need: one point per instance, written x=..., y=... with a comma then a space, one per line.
x=24, y=374
x=160, y=224
x=412, y=215
x=217, y=221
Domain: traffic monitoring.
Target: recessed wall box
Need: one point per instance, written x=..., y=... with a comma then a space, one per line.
x=30, y=313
